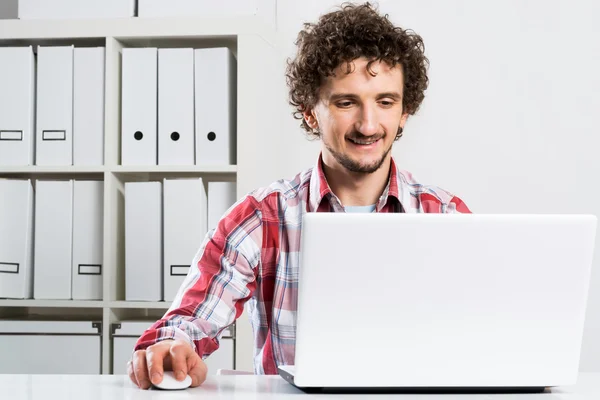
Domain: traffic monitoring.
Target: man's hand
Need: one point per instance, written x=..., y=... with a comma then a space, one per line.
x=147, y=366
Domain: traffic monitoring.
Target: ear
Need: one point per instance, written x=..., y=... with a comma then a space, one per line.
x=311, y=118
x=403, y=120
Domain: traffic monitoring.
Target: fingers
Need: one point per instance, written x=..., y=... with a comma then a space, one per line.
x=155, y=356
x=197, y=370
x=140, y=369
x=131, y=373
x=147, y=366
x=180, y=352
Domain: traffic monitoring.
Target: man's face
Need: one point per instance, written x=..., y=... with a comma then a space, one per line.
x=358, y=115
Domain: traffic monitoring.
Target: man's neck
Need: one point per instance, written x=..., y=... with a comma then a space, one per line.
x=357, y=189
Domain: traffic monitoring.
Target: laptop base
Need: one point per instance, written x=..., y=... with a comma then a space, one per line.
x=289, y=377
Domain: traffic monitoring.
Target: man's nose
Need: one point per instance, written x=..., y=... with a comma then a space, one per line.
x=368, y=123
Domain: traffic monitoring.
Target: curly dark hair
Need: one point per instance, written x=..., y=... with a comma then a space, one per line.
x=344, y=35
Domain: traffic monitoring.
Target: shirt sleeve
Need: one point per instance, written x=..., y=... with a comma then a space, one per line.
x=443, y=203
x=456, y=205
x=221, y=279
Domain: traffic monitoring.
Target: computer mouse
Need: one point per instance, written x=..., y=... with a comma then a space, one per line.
x=170, y=383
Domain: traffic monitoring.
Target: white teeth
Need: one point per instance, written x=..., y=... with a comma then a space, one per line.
x=363, y=142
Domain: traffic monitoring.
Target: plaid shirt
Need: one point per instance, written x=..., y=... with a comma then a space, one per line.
x=252, y=259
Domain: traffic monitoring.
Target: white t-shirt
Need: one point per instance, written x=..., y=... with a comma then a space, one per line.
x=360, y=209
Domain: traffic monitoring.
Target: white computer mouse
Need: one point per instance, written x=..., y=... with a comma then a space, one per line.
x=170, y=383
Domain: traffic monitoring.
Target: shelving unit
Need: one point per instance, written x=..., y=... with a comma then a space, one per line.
x=252, y=43
x=158, y=305
x=43, y=170
x=52, y=303
x=209, y=169
x=186, y=28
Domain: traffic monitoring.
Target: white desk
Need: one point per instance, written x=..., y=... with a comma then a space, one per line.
x=110, y=387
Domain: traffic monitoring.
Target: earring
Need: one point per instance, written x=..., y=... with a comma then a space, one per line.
x=399, y=134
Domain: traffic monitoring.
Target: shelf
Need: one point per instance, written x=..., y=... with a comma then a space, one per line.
x=253, y=43
x=222, y=169
x=134, y=27
x=51, y=303
x=63, y=170
x=163, y=305
x=71, y=169
x=176, y=169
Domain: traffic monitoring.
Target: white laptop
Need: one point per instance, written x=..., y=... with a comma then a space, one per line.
x=441, y=301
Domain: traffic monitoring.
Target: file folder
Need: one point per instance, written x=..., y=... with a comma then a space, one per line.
x=215, y=106
x=88, y=106
x=176, y=107
x=185, y=209
x=221, y=196
x=54, y=106
x=17, y=80
x=88, y=201
x=16, y=239
x=53, y=240
x=139, y=85
x=143, y=241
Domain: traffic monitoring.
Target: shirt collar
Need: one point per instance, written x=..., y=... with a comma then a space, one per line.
x=321, y=192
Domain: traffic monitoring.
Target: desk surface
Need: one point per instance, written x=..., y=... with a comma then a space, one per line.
x=110, y=387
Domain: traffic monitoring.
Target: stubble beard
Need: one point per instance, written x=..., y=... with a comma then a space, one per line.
x=355, y=166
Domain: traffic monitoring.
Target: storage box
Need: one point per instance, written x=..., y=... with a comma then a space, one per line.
x=50, y=347
x=125, y=334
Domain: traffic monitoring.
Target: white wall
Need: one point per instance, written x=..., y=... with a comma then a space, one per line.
x=509, y=122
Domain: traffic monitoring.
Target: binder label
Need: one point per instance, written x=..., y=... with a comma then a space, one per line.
x=54, y=135
x=9, y=268
x=179, y=270
x=89, y=269
x=11, y=135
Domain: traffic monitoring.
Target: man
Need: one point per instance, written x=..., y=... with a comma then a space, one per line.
x=354, y=82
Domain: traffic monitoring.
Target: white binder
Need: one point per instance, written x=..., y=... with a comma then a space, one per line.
x=53, y=240
x=16, y=239
x=75, y=9
x=185, y=209
x=17, y=80
x=176, y=107
x=88, y=106
x=143, y=241
x=138, y=106
x=215, y=97
x=88, y=201
x=54, y=127
x=221, y=196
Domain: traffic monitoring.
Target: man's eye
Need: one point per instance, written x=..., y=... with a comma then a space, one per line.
x=344, y=104
x=387, y=103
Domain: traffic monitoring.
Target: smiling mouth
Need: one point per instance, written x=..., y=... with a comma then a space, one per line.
x=364, y=142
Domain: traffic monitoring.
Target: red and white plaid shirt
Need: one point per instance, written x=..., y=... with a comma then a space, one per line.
x=252, y=259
